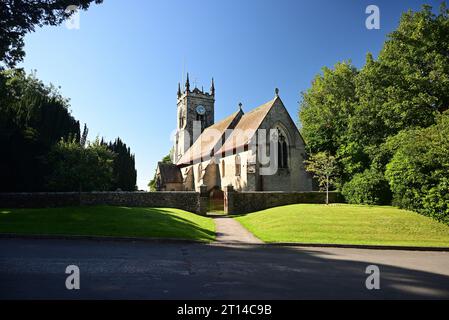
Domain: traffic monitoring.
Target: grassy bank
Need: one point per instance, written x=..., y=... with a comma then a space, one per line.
x=346, y=224
x=108, y=221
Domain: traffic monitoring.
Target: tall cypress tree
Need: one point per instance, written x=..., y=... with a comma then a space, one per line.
x=125, y=174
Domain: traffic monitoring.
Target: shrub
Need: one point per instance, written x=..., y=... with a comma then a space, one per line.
x=436, y=203
x=418, y=173
x=368, y=187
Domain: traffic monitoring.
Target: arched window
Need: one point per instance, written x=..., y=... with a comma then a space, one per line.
x=284, y=154
x=282, y=151
x=223, y=168
x=237, y=165
x=200, y=172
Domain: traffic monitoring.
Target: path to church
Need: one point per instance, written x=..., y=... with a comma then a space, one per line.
x=229, y=230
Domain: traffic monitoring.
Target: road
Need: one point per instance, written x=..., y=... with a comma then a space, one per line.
x=35, y=269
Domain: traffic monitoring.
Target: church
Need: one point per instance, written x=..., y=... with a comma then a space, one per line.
x=234, y=151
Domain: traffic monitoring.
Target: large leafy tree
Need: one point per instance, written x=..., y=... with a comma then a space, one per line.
x=409, y=83
x=33, y=117
x=326, y=107
x=19, y=17
x=325, y=112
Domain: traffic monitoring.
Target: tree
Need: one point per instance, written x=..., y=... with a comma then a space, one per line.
x=33, y=117
x=17, y=18
x=124, y=171
x=323, y=167
x=352, y=114
x=325, y=112
x=408, y=85
x=326, y=107
x=83, y=139
x=79, y=168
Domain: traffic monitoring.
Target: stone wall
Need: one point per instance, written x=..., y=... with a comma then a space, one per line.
x=245, y=202
x=189, y=201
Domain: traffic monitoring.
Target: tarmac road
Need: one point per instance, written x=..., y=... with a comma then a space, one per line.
x=35, y=269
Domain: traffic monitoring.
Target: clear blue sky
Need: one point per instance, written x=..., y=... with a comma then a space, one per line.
x=121, y=68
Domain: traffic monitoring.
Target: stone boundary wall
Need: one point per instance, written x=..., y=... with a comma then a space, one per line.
x=189, y=201
x=246, y=202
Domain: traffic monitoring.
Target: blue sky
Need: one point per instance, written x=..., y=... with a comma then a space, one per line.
x=122, y=66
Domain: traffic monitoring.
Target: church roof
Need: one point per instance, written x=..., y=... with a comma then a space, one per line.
x=244, y=127
x=209, y=139
x=169, y=173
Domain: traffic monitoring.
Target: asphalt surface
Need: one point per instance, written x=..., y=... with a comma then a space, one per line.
x=35, y=269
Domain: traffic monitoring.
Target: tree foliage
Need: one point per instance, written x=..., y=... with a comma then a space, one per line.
x=33, y=117
x=326, y=107
x=419, y=170
x=42, y=146
x=80, y=168
x=368, y=187
x=19, y=17
x=396, y=95
x=124, y=171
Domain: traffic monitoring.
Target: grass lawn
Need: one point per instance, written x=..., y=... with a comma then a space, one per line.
x=108, y=221
x=346, y=224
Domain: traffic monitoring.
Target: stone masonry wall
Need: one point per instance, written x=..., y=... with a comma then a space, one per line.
x=189, y=201
x=245, y=202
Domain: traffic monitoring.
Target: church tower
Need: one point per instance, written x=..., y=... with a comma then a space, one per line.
x=195, y=113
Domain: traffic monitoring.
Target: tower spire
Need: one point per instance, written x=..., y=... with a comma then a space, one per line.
x=212, y=87
x=187, y=83
x=179, y=89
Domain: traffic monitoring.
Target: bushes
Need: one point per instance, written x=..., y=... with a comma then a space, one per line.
x=369, y=187
x=419, y=170
x=417, y=175
x=436, y=203
x=80, y=168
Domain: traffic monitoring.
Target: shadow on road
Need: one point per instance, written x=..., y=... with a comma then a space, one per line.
x=139, y=270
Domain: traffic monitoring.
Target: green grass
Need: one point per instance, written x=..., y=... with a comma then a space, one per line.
x=346, y=224
x=108, y=221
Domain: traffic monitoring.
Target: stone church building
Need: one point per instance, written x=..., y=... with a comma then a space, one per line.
x=229, y=152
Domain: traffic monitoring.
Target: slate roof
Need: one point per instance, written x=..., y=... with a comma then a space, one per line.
x=208, y=140
x=248, y=125
x=204, y=146
x=170, y=173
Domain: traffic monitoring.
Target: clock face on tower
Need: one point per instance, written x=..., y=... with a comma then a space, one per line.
x=200, y=110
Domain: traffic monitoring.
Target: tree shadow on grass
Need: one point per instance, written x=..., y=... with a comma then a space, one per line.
x=177, y=226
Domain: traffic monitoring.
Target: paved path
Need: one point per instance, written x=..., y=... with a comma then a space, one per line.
x=229, y=230
x=35, y=269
